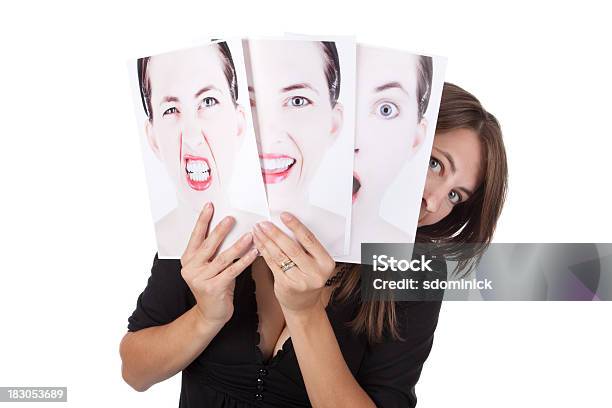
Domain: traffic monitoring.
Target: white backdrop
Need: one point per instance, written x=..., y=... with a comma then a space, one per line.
x=77, y=239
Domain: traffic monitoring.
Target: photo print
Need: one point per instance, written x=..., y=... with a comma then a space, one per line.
x=303, y=103
x=398, y=97
x=198, y=141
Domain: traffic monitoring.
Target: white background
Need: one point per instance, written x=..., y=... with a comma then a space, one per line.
x=77, y=241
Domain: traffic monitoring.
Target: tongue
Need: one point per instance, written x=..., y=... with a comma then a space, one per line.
x=356, y=185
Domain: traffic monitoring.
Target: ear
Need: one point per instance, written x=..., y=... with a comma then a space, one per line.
x=337, y=120
x=419, y=137
x=152, y=139
x=241, y=121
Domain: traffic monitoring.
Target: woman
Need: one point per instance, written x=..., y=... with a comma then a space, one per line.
x=467, y=180
x=204, y=316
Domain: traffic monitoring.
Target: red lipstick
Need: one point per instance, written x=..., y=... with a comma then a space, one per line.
x=197, y=172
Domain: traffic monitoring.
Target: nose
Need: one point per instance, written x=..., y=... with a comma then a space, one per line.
x=192, y=134
x=431, y=202
x=271, y=129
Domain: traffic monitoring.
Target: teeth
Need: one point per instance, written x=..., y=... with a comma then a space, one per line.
x=197, y=170
x=199, y=166
x=276, y=164
x=199, y=176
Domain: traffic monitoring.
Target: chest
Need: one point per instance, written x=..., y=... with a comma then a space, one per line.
x=257, y=333
x=272, y=328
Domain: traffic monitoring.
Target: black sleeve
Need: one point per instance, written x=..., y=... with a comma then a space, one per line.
x=390, y=370
x=165, y=298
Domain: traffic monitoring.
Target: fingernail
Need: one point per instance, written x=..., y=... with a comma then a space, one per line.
x=227, y=220
x=255, y=251
x=208, y=205
x=285, y=216
x=265, y=225
x=246, y=238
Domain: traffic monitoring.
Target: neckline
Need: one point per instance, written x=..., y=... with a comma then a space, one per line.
x=287, y=346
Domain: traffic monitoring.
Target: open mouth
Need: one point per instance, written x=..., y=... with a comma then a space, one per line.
x=356, y=185
x=197, y=172
x=275, y=167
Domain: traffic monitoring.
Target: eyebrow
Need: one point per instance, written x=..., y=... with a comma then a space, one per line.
x=205, y=89
x=169, y=99
x=454, y=169
x=301, y=85
x=449, y=158
x=391, y=85
x=466, y=191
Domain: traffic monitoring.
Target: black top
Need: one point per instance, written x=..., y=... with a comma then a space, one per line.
x=231, y=371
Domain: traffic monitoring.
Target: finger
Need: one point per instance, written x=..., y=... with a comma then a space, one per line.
x=272, y=257
x=200, y=229
x=237, y=267
x=225, y=258
x=287, y=245
x=214, y=239
x=304, y=236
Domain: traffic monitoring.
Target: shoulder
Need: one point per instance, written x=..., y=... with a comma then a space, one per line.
x=391, y=368
x=167, y=271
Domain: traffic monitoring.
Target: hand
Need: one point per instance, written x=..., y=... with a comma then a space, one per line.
x=212, y=278
x=299, y=288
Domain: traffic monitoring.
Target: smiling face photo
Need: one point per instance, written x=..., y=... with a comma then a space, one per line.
x=393, y=92
x=195, y=126
x=295, y=88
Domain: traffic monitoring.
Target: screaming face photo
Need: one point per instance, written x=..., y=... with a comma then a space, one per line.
x=198, y=126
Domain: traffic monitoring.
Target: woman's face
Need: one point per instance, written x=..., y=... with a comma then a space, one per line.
x=388, y=127
x=295, y=121
x=196, y=128
x=454, y=174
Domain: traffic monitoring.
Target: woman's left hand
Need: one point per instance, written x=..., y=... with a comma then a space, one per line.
x=298, y=289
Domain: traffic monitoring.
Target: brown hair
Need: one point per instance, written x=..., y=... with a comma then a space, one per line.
x=471, y=222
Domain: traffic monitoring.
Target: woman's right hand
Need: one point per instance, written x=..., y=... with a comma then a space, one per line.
x=211, y=277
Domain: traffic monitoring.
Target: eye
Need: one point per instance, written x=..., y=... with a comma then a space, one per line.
x=170, y=111
x=208, y=102
x=454, y=197
x=435, y=165
x=387, y=110
x=299, y=101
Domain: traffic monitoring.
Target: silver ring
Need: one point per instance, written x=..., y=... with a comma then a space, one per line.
x=286, y=265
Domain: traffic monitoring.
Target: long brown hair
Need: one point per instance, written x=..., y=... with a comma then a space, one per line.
x=471, y=222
